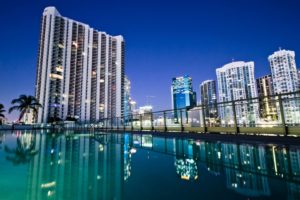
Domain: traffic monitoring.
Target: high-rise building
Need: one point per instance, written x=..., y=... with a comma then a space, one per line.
x=267, y=104
x=235, y=82
x=80, y=70
x=127, y=97
x=299, y=78
x=182, y=94
x=284, y=71
x=285, y=79
x=209, y=98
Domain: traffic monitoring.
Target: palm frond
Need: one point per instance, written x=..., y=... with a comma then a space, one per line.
x=37, y=104
x=25, y=103
x=13, y=108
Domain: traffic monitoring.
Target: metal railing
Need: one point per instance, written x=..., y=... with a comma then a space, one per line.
x=276, y=114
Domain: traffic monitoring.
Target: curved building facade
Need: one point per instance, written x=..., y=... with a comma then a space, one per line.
x=80, y=71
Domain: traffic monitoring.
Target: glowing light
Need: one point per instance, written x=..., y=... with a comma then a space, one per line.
x=56, y=76
x=101, y=148
x=133, y=150
x=47, y=185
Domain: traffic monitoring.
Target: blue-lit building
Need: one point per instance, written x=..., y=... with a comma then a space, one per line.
x=182, y=94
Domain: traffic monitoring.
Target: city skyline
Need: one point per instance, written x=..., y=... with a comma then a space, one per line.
x=196, y=59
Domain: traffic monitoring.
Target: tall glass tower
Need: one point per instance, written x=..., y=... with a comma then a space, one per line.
x=182, y=93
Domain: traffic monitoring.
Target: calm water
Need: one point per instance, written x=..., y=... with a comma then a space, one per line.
x=129, y=166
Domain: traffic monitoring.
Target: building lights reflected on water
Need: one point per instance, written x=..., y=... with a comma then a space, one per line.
x=111, y=166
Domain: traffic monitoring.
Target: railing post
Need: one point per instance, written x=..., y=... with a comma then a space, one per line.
x=234, y=118
x=181, y=124
x=204, y=120
x=165, y=122
x=187, y=115
x=111, y=124
x=141, y=122
x=152, y=127
x=285, y=128
x=117, y=118
x=124, y=123
x=131, y=122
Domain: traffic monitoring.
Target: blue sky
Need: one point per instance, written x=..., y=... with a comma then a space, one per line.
x=164, y=39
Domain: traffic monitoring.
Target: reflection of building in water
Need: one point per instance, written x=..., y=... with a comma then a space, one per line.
x=201, y=150
x=293, y=188
x=184, y=148
x=127, y=156
x=278, y=161
x=76, y=167
x=26, y=140
x=245, y=159
x=186, y=169
x=147, y=141
x=213, y=157
x=293, y=191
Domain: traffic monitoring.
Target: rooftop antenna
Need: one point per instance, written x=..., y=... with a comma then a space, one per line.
x=280, y=48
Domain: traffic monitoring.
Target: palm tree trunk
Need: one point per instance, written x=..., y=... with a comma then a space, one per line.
x=21, y=115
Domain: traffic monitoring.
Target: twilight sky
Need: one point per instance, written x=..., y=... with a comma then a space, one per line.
x=164, y=39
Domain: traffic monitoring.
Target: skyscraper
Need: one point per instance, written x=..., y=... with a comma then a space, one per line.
x=127, y=98
x=284, y=71
x=182, y=94
x=235, y=82
x=80, y=71
x=267, y=104
x=285, y=79
x=209, y=98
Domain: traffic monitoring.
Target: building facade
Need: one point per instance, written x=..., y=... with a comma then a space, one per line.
x=208, y=93
x=183, y=95
x=127, y=97
x=285, y=79
x=80, y=71
x=236, y=82
x=267, y=104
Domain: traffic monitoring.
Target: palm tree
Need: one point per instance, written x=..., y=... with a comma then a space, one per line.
x=1, y=113
x=25, y=104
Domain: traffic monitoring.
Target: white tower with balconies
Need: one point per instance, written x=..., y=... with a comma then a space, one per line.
x=285, y=80
x=80, y=71
x=235, y=82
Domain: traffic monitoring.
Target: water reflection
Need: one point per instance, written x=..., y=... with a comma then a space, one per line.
x=24, y=150
x=73, y=166
x=186, y=169
x=76, y=167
